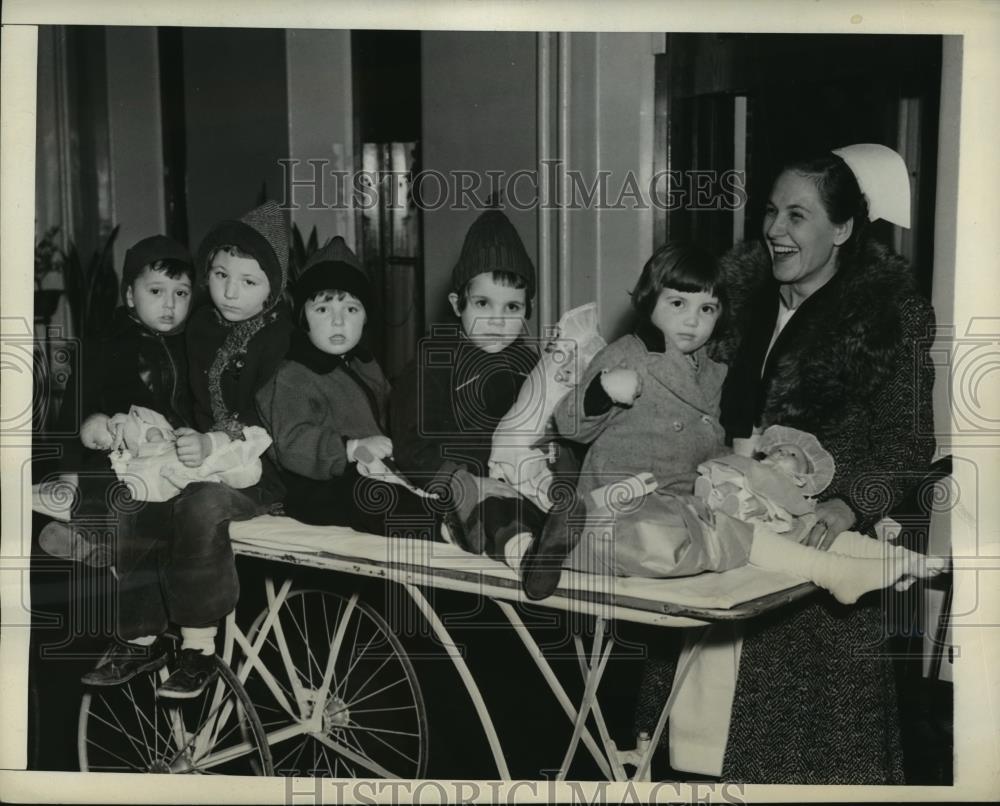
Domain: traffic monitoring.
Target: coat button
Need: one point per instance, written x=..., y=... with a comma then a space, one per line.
x=677, y=425
x=706, y=419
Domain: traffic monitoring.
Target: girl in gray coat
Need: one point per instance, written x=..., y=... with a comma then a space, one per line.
x=649, y=407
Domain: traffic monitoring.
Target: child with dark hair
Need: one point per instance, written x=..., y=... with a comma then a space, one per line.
x=326, y=409
x=139, y=361
x=174, y=559
x=648, y=405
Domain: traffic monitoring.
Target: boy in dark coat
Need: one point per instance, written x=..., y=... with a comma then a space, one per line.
x=448, y=402
x=140, y=360
x=326, y=408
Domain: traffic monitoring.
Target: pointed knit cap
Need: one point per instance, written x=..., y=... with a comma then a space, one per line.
x=492, y=244
x=262, y=233
x=334, y=267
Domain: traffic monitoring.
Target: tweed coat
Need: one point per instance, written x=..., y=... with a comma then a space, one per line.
x=670, y=429
x=815, y=700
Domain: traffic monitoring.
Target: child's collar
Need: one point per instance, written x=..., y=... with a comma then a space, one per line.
x=654, y=341
x=652, y=337
x=304, y=352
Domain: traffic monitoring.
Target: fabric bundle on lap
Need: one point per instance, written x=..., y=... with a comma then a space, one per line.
x=152, y=471
x=522, y=452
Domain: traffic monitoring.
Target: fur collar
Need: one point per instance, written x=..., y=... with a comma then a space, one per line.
x=836, y=348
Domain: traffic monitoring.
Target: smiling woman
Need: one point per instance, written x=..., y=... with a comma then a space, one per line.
x=833, y=340
x=800, y=237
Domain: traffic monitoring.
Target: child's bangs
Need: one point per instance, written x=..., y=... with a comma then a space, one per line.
x=231, y=250
x=692, y=274
x=331, y=294
x=509, y=279
x=172, y=268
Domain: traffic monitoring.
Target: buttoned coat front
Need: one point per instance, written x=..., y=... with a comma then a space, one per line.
x=671, y=428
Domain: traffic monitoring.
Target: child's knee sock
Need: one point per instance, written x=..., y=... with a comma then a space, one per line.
x=515, y=547
x=855, y=544
x=847, y=578
x=200, y=638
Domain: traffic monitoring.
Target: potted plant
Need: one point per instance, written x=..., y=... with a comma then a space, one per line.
x=48, y=265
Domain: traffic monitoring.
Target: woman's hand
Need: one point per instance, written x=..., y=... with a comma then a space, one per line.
x=378, y=447
x=623, y=386
x=832, y=518
x=193, y=447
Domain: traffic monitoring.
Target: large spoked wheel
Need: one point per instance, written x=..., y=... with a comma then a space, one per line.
x=127, y=728
x=338, y=696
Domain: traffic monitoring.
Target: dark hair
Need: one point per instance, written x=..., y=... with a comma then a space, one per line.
x=839, y=193
x=171, y=267
x=331, y=293
x=504, y=278
x=681, y=267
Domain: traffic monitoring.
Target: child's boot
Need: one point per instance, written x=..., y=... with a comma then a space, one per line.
x=196, y=667
x=542, y=563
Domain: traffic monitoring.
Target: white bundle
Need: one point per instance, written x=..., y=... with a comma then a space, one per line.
x=522, y=450
x=152, y=471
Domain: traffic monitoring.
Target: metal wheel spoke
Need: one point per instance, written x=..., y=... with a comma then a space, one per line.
x=196, y=730
x=324, y=640
x=120, y=728
x=351, y=741
x=342, y=685
x=383, y=741
x=298, y=750
x=310, y=655
x=141, y=716
x=354, y=644
x=352, y=725
x=364, y=685
x=379, y=710
x=131, y=765
x=352, y=703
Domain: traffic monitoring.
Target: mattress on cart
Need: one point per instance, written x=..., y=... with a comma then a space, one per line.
x=282, y=538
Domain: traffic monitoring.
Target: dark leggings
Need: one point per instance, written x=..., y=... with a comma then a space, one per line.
x=174, y=559
x=365, y=504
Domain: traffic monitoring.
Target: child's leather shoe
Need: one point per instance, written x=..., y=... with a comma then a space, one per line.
x=194, y=671
x=123, y=661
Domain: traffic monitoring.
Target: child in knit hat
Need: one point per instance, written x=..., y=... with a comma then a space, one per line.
x=174, y=560
x=447, y=404
x=326, y=408
x=140, y=360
